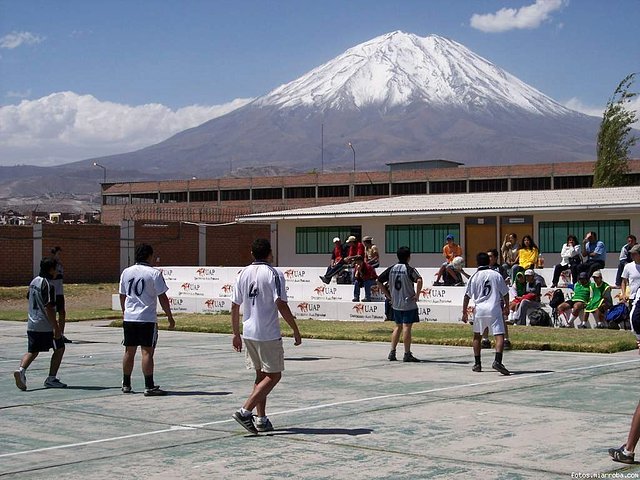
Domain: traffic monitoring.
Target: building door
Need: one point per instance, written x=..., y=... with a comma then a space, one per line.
x=480, y=236
x=521, y=226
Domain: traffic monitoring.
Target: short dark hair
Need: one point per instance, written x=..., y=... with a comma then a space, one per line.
x=143, y=252
x=55, y=250
x=632, y=237
x=403, y=254
x=494, y=252
x=260, y=248
x=46, y=264
x=483, y=259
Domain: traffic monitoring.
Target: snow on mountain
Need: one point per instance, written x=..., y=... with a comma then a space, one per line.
x=399, y=68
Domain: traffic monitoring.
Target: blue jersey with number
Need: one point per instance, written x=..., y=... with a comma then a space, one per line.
x=487, y=288
x=141, y=283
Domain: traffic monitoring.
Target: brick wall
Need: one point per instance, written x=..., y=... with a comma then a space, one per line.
x=16, y=259
x=231, y=244
x=174, y=243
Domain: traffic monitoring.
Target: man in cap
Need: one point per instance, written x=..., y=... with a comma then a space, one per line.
x=371, y=254
x=337, y=261
x=600, y=300
x=577, y=303
x=450, y=251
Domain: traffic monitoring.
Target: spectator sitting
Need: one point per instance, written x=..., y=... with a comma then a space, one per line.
x=625, y=257
x=354, y=249
x=365, y=275
x=337, y=261
x=518, y=289
x=570, y=258
x=527, y=255
x=450, y=251
x=600, y=300
x=580, y=299
x=453, y=273
x=371, y=254
x=531, y=297
x=595, y=253
x=509, y=250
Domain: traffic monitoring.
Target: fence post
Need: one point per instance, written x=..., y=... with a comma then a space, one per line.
x=127, y=243
x=37, y=248
x=202, y=245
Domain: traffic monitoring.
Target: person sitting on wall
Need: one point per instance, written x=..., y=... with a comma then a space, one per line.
x=531, y=297
x=509, y=251
x=625, y=257
x=527, y=255
x=600, y=301
x=364, y=276
x=595, y=253
x=337, y=261
x=371, y=253
x=577, y=303
x=570, y=259
x=454, y=272
x=354, y=249
x=450, y=251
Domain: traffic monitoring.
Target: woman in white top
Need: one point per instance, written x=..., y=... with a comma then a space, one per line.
x=570, y=256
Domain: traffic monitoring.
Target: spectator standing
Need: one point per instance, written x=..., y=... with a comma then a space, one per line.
x=141, y=288
x=450, y=250
x=262, y=290
x=58, y=284
x=625, y=257
x=509, y=250
x=595, y=253
x=371, y=253
x=490, y=295
x=569, y=260
x=43, y=330
x=364, y=276
x=400, y=279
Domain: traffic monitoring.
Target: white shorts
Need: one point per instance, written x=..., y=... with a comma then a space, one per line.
x=267, y=356
x=495, y=325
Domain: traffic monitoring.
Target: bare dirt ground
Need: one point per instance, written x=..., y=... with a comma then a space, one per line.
x=77, y=296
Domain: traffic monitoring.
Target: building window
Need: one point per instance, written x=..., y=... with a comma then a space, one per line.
x=142, y=198
x=409, y=188
x=454, y=186
x=577, y=181
x=372, y=190
x=266, y=194
x=333, y=191
x=230, y=195
x=314, y=240
x=531, y=183
x=203, y=196
x=552, y=235
x=419, y=238
x=115, y=199
x=300, y=192
x=489, y=185
x=173, y=197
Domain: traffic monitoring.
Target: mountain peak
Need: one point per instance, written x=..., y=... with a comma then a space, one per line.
x=398, y=68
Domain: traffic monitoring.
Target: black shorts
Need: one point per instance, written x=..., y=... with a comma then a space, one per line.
x=143, y=334
x=43, y=342
x=573, y=302
x=60, y=303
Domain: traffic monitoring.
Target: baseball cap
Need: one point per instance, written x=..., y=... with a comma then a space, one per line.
x=351, y=239
x=450, y=237
x=635, y=248
x=597, y=273
x=583, y=276
x=336, y=239
x=367, y=238
x=529, y=272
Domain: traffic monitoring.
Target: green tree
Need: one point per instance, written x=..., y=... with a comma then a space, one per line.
x=615, y=138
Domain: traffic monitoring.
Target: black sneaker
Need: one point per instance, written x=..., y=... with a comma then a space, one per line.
x=355, y=299
x=126, y=388
x=438, y=283
x=153, y=392
x=264, y=427
x=246, y=422
x=476, y=368
x=618, y=455
x=392, y=356
x=325, y=279
x=486, y=343
x=507, y=344
x=66, y=340
x=501, y=368
x=408, y=357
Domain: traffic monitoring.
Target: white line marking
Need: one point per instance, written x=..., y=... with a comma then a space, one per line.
x=174, y=428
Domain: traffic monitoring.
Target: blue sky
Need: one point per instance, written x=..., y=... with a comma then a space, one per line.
x=180, y=54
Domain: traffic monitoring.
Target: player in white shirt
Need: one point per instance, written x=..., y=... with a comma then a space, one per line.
x=631, y=276
x=141, y=286
x=261, y=290
x=490, y=295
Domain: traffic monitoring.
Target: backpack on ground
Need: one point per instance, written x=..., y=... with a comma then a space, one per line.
x=539, y=318
x=618, y=314
x=557, y=298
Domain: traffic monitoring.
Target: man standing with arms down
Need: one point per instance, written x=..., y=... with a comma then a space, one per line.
x=491, y=297
x=403, y=298
x=140, y=286
x=43, y=330
x=261, y=289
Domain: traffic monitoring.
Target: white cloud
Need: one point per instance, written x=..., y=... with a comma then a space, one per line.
x=16, y=94
x=64, y=127
x=15, y=39
x=597, y=111
x=527, y=17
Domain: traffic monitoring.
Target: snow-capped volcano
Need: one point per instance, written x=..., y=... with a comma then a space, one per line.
x=400, y=68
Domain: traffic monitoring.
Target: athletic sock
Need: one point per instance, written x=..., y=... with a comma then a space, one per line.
x=572, y=319
x=261, y=420
x=499, y=357
x=126, y=380
x=627, y=452
x=22, y=369
x=477, y=357
x=148, y=381
x=244, y=412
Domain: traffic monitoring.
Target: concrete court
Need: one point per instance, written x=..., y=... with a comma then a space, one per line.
x=341, y=411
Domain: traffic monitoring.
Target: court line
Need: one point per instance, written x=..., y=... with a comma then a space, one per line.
x=184, y=427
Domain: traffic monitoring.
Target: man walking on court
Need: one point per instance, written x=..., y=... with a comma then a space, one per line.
x=400, y=278
x=261, y=289
x=490, y=294
x=43, y=330
x=141, y=286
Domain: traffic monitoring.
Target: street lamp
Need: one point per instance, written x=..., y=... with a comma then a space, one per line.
x=354, y=155
x=104, y=171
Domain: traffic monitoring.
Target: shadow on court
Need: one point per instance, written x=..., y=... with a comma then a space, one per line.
x=196, y=393
x=352, y=432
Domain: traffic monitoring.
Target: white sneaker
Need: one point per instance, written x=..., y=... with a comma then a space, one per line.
x=53, y=382
x=21, y=379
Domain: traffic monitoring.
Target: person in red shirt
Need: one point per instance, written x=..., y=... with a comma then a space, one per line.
x=450, y=251
x=337, y=261
x=365, y=275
